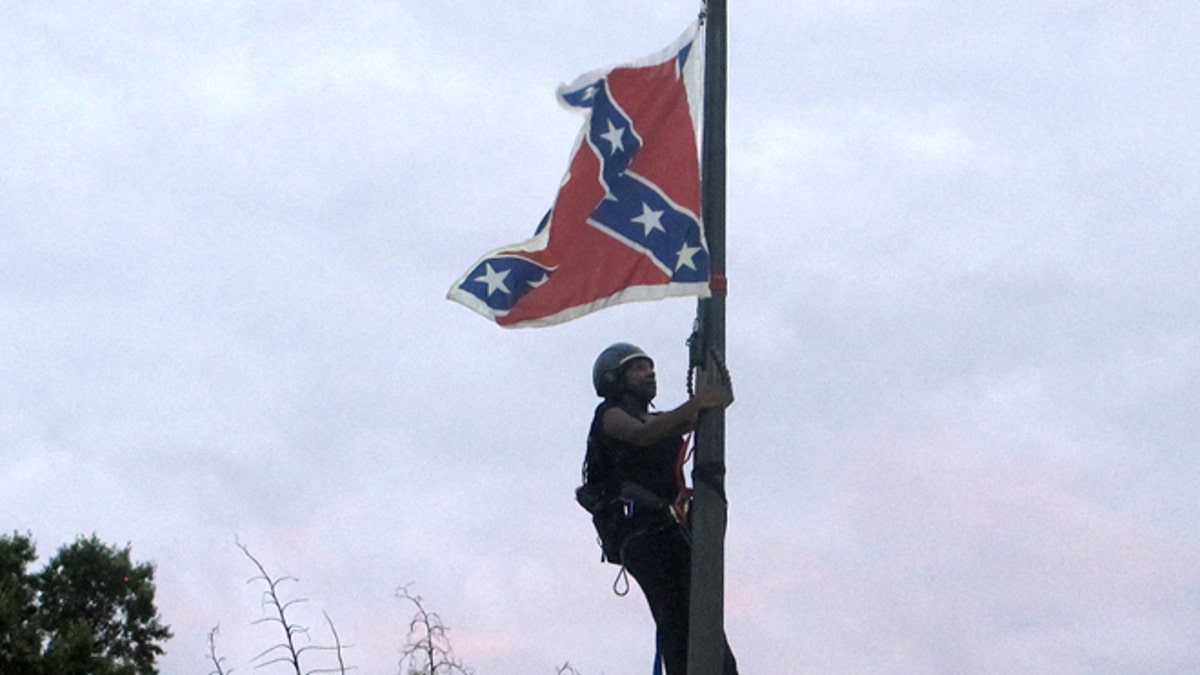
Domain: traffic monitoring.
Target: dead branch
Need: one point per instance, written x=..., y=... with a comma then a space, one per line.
x=427, y=650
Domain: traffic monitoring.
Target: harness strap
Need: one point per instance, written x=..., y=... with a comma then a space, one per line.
x=683, y=493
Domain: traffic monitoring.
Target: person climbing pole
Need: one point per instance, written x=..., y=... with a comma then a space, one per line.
x=633, y=486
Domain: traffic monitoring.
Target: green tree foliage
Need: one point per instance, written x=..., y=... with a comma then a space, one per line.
x=90, y=611
x=20, y=637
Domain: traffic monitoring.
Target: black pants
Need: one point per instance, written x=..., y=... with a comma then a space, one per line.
x=661, y=562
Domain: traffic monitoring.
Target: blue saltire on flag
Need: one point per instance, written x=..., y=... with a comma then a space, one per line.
x=625, y=224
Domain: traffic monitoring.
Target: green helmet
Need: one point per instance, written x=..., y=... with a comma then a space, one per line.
x=606, y=373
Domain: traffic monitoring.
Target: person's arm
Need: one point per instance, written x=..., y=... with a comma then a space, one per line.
x=625, y=427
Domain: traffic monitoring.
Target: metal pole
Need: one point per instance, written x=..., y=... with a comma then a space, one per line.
x=706, y=622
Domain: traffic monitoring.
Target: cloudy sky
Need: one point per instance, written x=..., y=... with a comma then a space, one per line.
x=963, y=325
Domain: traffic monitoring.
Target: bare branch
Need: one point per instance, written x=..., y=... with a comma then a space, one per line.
x=271, y=599
x=337, y=641
x=287, y=651
x=427, y=650
x=217, y=661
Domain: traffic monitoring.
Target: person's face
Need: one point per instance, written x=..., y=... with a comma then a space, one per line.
x=639, y=379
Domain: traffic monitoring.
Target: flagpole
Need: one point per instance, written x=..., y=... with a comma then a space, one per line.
x=706, y=641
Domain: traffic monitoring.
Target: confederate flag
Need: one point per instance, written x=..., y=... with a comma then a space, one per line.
x=625, y=225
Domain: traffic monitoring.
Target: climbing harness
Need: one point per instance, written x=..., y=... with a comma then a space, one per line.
x=623, y=507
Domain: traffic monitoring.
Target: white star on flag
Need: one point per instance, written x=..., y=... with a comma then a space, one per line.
x=686, y=255
x=650, y=219
x=615, y=136
x=494, y=280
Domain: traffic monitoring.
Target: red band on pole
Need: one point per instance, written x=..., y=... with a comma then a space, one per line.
x=718, y=283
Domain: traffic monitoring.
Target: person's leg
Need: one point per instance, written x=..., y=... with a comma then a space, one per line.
x=661, y=564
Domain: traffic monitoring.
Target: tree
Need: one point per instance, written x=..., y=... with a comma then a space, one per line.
x=427, y=651
x=288, y=651
x=20, y=639
x=90, y=611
